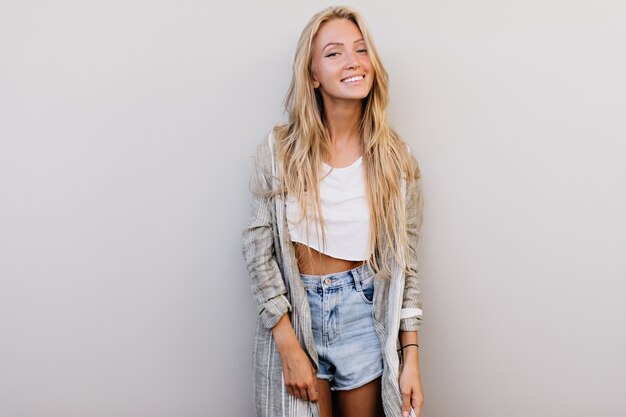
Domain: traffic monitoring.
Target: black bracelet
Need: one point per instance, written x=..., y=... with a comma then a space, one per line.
x=410, y=344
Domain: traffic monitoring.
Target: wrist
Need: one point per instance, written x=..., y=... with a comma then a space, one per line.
x=410, y=358
x=288, y=346
x=410, y=353
x=284, y=336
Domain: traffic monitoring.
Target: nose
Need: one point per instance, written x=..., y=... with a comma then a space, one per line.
x=352, y=62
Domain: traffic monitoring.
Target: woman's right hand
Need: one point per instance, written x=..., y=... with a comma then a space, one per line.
x=299, y=373
x=300, y=376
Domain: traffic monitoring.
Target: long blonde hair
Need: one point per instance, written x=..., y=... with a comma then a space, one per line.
x=303, y=143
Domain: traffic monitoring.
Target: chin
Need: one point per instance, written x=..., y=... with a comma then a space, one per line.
x=356, y=94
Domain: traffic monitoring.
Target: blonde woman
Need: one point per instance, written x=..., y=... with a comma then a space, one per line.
x=331, y=243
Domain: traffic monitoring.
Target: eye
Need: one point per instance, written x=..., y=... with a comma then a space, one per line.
x=332, y=54
x=362, y=51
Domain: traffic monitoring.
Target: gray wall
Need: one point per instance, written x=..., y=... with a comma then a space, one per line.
x=126, y=129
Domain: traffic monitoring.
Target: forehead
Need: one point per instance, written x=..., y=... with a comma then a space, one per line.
x=337, y=30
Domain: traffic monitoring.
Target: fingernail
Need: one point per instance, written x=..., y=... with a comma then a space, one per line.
x=405, y=413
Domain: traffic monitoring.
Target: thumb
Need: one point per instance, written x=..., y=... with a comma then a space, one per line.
x=406, y=404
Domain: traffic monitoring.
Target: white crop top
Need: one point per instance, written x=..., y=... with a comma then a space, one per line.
x=346, y=215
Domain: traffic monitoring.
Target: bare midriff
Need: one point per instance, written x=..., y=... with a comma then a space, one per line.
x=312, y=262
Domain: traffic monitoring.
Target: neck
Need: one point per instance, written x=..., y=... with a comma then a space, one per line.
x=342, y=118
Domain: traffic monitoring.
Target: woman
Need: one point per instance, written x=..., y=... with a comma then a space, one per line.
x=331, y=243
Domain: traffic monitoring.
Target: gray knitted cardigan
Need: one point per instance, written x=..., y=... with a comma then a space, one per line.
x=277, y=289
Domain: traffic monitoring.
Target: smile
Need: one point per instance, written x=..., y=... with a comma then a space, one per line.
x=353, y=79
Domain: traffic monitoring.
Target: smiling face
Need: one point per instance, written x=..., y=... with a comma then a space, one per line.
x=342, y=69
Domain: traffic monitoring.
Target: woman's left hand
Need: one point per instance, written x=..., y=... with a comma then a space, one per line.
x=411, y=389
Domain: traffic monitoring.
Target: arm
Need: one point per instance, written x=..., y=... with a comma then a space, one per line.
x=410, y=379
x=411, y=313
x=300, y=375
x=268, y=286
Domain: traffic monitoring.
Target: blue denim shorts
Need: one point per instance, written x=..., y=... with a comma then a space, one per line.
x=343, y=327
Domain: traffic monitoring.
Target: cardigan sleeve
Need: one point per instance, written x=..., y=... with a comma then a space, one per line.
x=411, y=312
x=266, y=280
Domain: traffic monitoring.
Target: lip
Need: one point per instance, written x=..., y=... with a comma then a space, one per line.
x=354, y=82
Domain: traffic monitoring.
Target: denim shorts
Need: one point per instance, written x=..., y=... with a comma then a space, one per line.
x=343, y=327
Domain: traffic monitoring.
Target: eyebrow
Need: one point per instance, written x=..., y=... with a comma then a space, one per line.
x=339, y=43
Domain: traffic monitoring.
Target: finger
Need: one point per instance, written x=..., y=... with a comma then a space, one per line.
x=296, y=391
x=312, y=392
x=303, y=393
x=406, y=404
x=417, y=405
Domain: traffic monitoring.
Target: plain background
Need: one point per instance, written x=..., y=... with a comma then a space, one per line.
x=126, y=131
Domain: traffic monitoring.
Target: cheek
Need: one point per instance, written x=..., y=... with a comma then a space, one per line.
x=367, y=63
x=371, y=72
x=327, y=73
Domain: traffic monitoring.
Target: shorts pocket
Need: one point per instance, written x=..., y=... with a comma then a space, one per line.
x=367, y=289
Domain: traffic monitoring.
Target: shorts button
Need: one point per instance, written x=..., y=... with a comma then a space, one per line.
x=327, y=281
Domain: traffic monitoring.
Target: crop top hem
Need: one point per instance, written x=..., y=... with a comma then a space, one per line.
x=335, y=254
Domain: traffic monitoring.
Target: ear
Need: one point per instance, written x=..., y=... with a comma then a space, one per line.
x=315, y=81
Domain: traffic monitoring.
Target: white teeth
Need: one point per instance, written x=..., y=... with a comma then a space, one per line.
x=352, y=79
